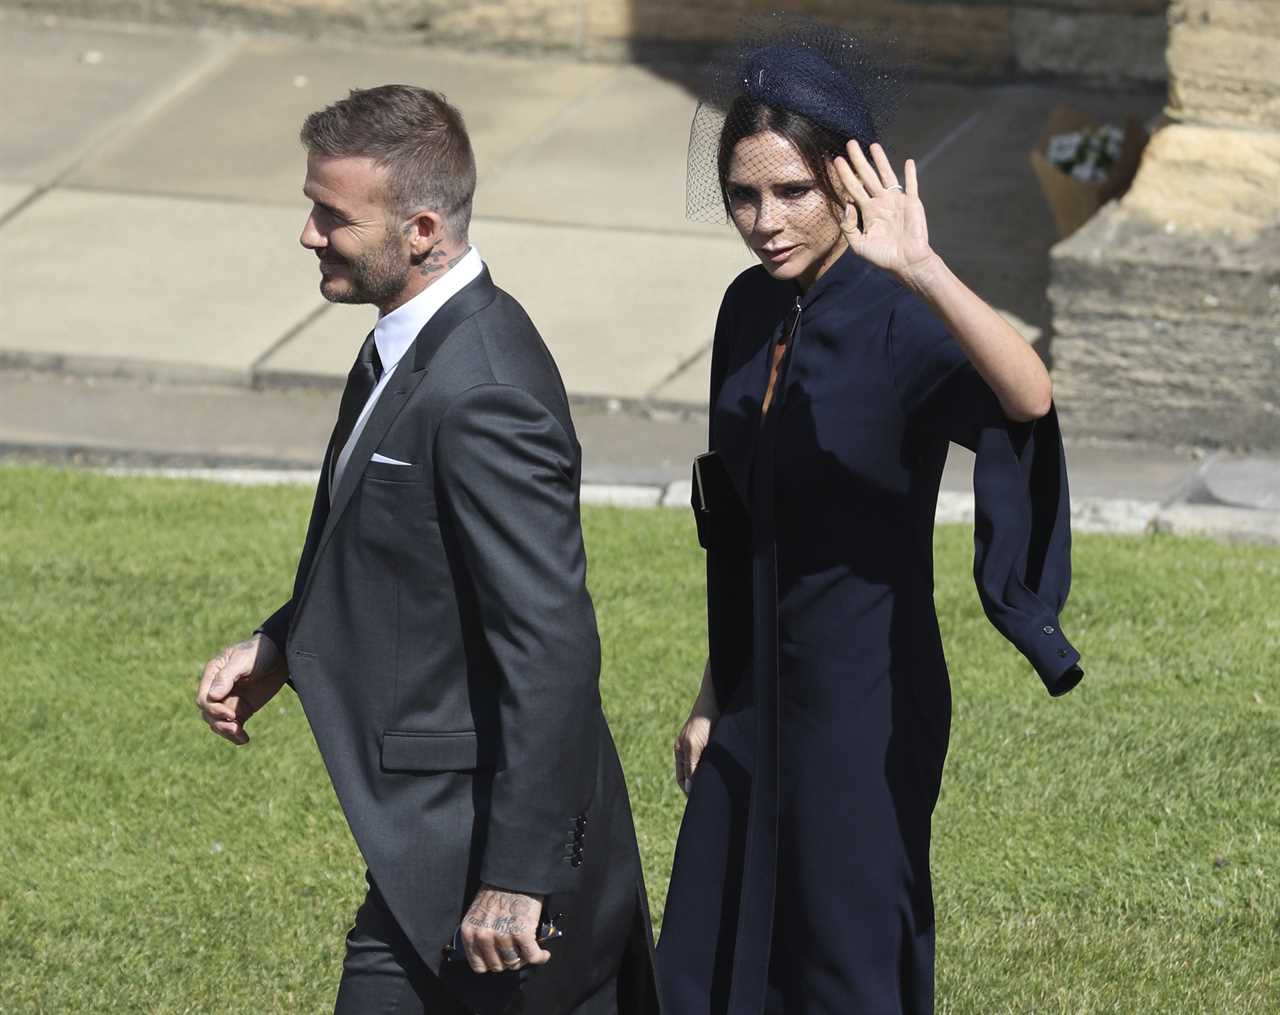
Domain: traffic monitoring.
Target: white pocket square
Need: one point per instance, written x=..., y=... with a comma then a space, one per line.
x=384, y=460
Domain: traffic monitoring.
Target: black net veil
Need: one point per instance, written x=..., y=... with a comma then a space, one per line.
x=847, y=86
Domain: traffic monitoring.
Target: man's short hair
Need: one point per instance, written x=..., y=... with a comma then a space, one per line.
x=416, y=136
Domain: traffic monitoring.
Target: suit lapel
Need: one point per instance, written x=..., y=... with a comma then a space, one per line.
x=408, y=374
x=401, y=385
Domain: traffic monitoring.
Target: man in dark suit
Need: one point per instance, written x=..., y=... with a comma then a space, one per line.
x=440, y=635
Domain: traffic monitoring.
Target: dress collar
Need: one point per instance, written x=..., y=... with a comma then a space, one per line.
x=848, y=271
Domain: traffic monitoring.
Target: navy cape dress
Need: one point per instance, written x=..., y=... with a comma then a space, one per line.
x=801, y=878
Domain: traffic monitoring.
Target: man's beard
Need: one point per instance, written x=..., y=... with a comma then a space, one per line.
x=375, y=276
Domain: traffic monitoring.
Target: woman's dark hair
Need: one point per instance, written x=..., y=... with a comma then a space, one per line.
x=816, y=144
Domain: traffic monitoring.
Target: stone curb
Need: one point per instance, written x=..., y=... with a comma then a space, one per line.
x=1228, y=524
x=1105, y=515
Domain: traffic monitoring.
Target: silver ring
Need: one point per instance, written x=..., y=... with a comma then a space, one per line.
x=896, y=186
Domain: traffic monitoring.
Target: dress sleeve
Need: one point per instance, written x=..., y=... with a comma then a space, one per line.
x=729, y=616
x=1022, y=527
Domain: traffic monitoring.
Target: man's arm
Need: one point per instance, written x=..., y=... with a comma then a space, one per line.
x=507, y=487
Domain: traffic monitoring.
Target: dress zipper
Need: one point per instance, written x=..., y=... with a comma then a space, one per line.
x=795, y=322
x=780, y=352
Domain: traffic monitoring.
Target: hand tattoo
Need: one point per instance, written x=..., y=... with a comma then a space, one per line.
x=501, y=913
x=503, y=921
x=224, y=657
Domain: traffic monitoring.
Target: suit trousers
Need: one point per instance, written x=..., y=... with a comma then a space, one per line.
x=383, y=974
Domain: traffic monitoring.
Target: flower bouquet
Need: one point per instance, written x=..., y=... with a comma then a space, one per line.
x=1082, y=164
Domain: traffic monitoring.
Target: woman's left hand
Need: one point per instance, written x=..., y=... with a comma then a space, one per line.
x=894, y=234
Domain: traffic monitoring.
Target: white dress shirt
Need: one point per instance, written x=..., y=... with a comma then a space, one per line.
x=394, y=333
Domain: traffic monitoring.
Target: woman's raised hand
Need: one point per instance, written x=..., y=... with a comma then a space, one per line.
x=894, y=234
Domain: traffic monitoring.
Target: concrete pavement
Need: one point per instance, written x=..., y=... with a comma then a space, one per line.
x=161, y=171
x=155, y=307
x=174, y=198
x=631, y=459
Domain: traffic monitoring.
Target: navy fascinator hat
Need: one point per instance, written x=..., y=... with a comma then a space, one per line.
x=800, y=80
x=792, y=64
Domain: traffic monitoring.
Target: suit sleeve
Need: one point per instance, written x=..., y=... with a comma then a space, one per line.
x=276, y=626
x=507, y=472
x=1022, y=526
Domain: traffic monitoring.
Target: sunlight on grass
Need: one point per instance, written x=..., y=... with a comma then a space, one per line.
x=1113, y=851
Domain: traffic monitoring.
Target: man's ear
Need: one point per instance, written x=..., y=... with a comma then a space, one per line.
x=425, y=230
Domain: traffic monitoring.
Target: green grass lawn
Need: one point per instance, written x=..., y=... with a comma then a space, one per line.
x=1114, y=851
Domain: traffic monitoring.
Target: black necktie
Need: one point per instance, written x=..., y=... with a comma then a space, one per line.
x=364, y=375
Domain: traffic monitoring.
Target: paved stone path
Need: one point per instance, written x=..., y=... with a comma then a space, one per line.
x=150, y=191
x=155, y=308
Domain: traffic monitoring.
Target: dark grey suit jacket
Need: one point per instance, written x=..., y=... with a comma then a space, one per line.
x=443, y=644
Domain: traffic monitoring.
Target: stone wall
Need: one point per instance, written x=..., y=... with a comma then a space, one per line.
x=964, y=37
x=1167, y=305
x=1103, y=40
x=1224, y=57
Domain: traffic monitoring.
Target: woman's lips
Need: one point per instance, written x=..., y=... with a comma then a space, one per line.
x=778, y=255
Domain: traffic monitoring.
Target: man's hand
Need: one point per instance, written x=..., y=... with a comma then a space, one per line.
x=237, y=682
x=499, y=931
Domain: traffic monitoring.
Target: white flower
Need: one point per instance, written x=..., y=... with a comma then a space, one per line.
x=1088, y=172
x=1063, y=148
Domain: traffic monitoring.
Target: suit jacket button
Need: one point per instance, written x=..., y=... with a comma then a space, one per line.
x=576, y=862
x=1050, y=629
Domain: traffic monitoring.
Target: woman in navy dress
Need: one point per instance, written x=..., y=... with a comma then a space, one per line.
x=843, y=365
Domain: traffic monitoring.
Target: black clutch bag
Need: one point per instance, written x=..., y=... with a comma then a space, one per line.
x=723, y=521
